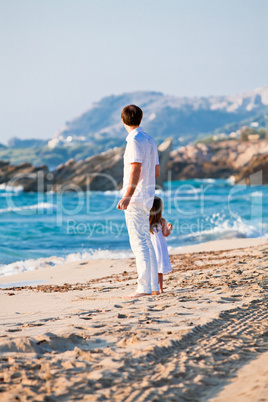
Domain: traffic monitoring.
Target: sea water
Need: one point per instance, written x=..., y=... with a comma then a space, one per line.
x=39, y=229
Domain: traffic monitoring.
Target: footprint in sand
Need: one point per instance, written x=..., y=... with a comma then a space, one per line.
x=39, y=324
x=13, y=330
x=121, y=315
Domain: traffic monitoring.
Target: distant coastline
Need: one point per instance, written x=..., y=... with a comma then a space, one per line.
x=185, y=119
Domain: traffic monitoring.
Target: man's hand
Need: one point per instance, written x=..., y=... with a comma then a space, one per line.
x=133, y=181
x=123, y=203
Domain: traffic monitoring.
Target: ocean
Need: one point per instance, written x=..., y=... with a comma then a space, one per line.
x=74, y=226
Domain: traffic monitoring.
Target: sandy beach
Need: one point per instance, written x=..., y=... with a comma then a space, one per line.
x=68, y=333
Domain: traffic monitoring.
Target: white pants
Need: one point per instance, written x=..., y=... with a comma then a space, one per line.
x=137, y=220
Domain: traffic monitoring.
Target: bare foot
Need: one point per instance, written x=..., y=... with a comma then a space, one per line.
x=155, y=293
x=136, y=294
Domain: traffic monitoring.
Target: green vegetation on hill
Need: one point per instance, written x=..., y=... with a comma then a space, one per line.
x=245, y=134
x=261, y=119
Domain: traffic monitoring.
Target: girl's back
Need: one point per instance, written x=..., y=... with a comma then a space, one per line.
x=160, y=247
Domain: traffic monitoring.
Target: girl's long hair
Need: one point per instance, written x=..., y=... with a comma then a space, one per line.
x=155, y=214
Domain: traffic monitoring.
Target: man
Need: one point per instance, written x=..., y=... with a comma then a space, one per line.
x=141, y=168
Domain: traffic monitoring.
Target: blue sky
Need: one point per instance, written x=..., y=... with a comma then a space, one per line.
x=60, y=56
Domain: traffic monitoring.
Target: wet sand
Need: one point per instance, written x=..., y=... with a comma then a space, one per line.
x=75, y=336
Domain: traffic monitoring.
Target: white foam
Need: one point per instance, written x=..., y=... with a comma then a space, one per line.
x=39, y=206
x=231, y=180
x=11, y=189
x=205, y=180
x=31, y=264
x=228, y=229
x=257, y=194
x=164, y=193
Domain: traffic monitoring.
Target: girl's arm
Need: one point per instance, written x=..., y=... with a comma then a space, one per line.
x=166, y=228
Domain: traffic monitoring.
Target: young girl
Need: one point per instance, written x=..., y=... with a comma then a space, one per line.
x=159, y=230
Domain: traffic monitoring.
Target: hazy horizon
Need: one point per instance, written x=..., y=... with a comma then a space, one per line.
x=62, y=56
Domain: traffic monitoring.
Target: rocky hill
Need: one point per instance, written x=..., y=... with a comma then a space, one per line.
x=100, y=129
x=185, y=119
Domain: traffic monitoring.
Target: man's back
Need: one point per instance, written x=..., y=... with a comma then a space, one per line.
x=141, y=148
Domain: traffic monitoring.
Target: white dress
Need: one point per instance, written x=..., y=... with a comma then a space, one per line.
x=161, y=251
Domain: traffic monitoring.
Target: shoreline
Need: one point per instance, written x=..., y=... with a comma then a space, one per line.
x=76, y=336
x=43, y=274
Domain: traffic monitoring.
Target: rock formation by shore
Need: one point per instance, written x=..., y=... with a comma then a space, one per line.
x=216, y=160
x=164, y=150
x=24, y=175
x=98, y=173
x=255, y=172
x=244, y=160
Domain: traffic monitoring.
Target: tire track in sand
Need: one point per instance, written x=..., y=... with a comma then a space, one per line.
x=196, y=366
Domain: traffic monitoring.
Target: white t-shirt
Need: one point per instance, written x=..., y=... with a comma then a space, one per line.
x=143, y=149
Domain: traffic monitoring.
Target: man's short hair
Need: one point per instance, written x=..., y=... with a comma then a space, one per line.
x=132, y=115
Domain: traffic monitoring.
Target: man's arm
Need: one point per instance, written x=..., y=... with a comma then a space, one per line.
x=133, y=181
x=157, y=171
